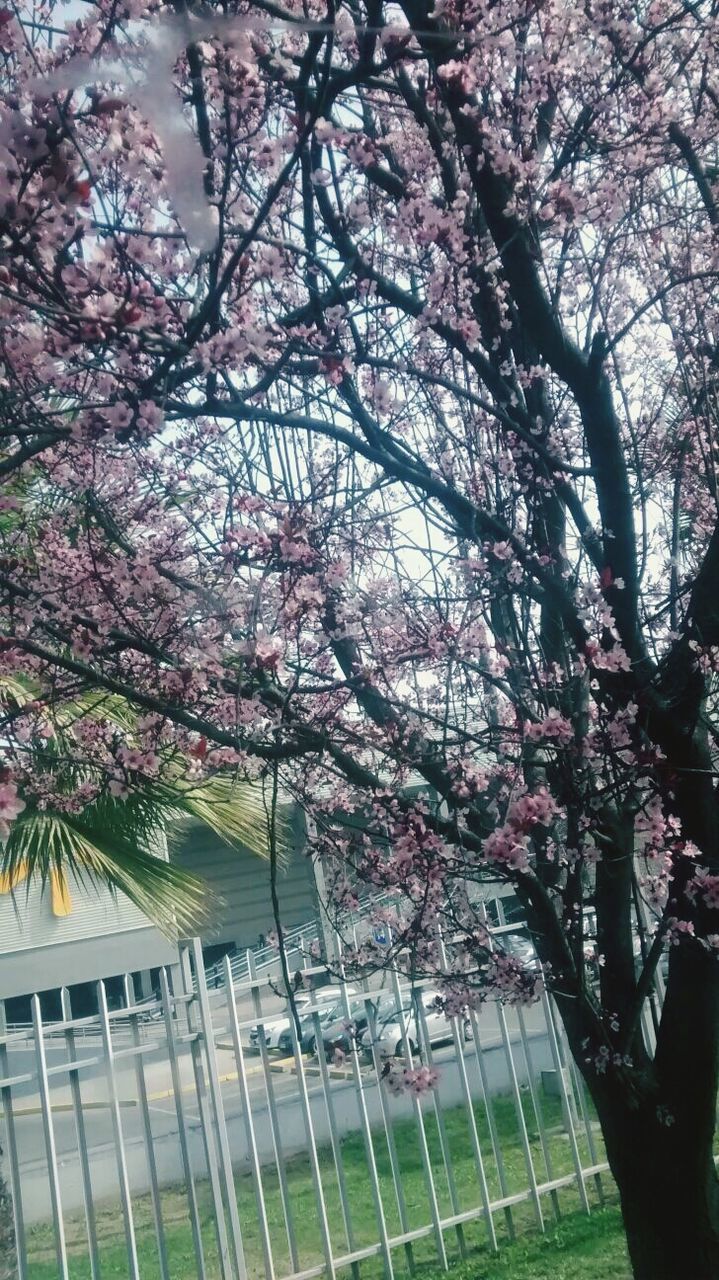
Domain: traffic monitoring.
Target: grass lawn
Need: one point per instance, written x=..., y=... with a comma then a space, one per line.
x=574, y=1245
x=579, y=1248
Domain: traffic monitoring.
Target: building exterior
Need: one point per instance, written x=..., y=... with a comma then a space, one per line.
x=241, y=881
x=46, y=943
x=71, y=935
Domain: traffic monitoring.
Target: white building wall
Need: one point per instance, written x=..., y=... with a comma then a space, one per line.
x=27, y=920
x=104, y=935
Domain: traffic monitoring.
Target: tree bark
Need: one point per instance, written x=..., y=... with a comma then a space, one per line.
x=668, y=1189
x=658, y=1120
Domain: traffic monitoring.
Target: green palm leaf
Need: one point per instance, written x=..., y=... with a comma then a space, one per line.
x=233, y=810
x=115, y=841
x=176, y=901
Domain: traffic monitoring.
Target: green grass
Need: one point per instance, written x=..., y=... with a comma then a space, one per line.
x=574, y=1246
x=579, y=1248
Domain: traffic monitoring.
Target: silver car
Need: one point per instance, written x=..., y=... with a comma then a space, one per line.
x=395, y=1032
x=276, y=1024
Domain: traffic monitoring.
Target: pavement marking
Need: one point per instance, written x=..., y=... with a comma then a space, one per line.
x=68, y=1106
x=282, y=1065
x=228, y=1078
x=168, y=1111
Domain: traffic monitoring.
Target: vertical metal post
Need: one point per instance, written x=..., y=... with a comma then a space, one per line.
x=423, y=1146
x=321, y=894
x=391, y=1144
x=648, y=1026
x=367, y=1137
x=537, y=1110
x=274, y=1122
x=458, y=1041
x=578, y=1088
x=206, y=1127
x=249, y=1123
x=518, y=1106
x=567, y=1103
x=238, y=1252
x=81, y=1135
x=334, y=1141
x=182, y=1127
x=519, y=1109
x=441, y=1127
x=12, y=1154
x=474, y=1136
x=645, y=924
x=314, y=1162
x=176, y=986
x=147, y=1133
x=491, y=1121
x=114, y=1102
x=49, y=1134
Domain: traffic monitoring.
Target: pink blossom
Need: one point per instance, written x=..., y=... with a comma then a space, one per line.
x=10, y=803
x=554, y=727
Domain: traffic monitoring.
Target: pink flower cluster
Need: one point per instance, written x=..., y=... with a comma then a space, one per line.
x=553, y=728
x=412, y=1080
x=509, y=981
x=705, y=886
x=509, y=844
x=10, y=806
x=677, y=930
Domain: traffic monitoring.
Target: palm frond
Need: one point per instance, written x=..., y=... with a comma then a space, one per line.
x=114, y=841
x=234, y=810
x=17, y=688
x=100, y=705
x=175, y=900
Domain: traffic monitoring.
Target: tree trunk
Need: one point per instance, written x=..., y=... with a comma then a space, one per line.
x=669, y=1193
x=658, y=1120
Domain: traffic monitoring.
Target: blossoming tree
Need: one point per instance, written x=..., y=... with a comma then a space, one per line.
x=359, y=429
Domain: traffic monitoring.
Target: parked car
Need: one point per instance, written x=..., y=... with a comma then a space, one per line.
x=519, y=946
x=277, y=1024
x=392, y=1031
x=308, y=1034
x=338, y=1033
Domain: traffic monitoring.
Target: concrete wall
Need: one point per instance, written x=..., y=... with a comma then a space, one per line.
x=48, y=966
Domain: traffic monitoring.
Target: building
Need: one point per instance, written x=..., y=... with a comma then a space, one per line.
x=72, y=934
x=241, y=882
x=67, y=936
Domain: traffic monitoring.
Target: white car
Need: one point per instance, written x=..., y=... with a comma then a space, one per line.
x=391, y=1031
x=276, y=1024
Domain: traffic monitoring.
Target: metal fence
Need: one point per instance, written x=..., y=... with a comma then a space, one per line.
x=301, y=941
x=171, y=1140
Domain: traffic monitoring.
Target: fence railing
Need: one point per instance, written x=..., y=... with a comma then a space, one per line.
x=298, y=943
x=189, y=1145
